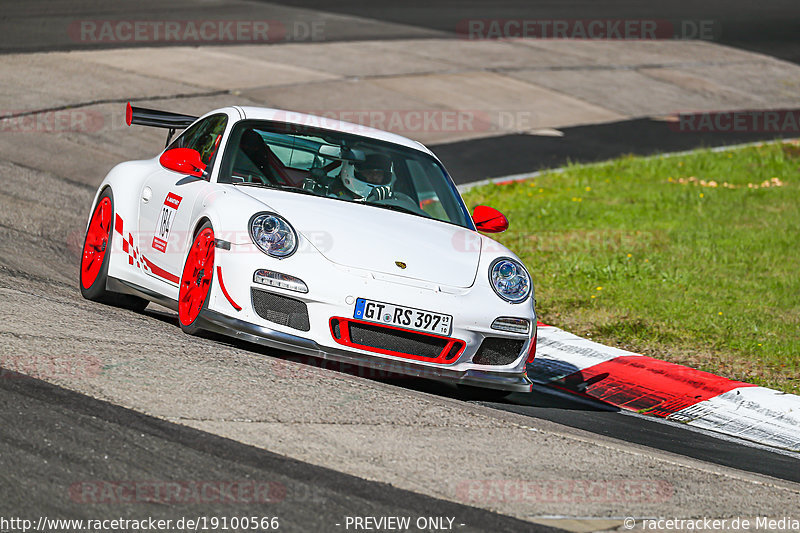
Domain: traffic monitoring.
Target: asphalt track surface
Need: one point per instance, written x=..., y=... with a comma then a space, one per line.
x=603, y=419
x=505, y=155
x=769, y=27
x=77, y=437
x=671, y=437
x=49, y=469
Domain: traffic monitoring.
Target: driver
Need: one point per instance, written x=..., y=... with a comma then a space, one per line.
x=370, y=179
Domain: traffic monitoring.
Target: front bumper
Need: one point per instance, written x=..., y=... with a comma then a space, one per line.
x=240, y=329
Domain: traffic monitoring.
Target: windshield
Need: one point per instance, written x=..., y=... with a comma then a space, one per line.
x=341, y=166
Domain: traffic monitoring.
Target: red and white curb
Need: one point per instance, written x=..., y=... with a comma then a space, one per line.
x=652, y=387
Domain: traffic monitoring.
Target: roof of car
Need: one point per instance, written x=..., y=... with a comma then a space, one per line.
x=295, y=117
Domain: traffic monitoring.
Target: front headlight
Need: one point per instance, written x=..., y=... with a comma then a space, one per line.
x=273, y=234
x=510, y=280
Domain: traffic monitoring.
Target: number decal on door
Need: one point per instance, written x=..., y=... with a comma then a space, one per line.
x=170, y=207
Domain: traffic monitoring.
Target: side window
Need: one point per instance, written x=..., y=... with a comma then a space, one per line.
x=204, y=136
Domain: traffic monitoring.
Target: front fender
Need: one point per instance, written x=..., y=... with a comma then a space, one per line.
x=229, y=211
x=125, y=180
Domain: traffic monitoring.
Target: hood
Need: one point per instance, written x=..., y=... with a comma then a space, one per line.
x=375, y=239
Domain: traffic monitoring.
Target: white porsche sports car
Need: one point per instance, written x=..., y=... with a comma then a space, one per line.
x=316, y=236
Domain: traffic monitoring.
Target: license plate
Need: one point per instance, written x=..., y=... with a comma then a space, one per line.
x=403, y=317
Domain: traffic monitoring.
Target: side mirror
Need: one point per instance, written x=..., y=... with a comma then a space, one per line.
x=489, y=220
x=183, y=160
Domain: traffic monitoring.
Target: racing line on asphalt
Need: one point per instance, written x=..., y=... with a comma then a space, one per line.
x=51, y=468
x=603, y=419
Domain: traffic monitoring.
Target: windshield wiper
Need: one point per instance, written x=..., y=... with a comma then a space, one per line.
x=399, y=208
x=276, y=187
x=254, y=184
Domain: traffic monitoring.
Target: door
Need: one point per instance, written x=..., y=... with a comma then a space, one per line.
x=168, y=201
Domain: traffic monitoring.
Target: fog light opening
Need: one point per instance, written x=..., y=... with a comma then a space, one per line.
x=336, y=329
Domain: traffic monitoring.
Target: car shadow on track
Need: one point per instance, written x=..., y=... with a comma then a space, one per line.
x=542, y=397
x=559, y=402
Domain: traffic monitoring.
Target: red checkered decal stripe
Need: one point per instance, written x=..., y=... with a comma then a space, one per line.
x=136, y=258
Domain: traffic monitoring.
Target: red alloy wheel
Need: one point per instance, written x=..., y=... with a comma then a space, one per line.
x=196, y=277
x=96, y=245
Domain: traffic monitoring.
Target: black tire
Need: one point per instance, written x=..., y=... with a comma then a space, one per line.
x=97, y=292
x=194, y=328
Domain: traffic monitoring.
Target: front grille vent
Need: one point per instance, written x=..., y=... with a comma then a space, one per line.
x=396, y=340
x=496, y=351
x=280, y=309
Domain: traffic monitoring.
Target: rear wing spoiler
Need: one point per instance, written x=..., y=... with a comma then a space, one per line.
x=157, y=119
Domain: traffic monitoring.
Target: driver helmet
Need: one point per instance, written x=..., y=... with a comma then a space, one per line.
x=362, y=177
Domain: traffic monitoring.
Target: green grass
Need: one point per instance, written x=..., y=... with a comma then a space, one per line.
x=637, y=253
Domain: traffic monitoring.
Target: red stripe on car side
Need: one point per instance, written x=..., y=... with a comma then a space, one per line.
x=647, y=385
x=225, y=291
x=160, y=272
